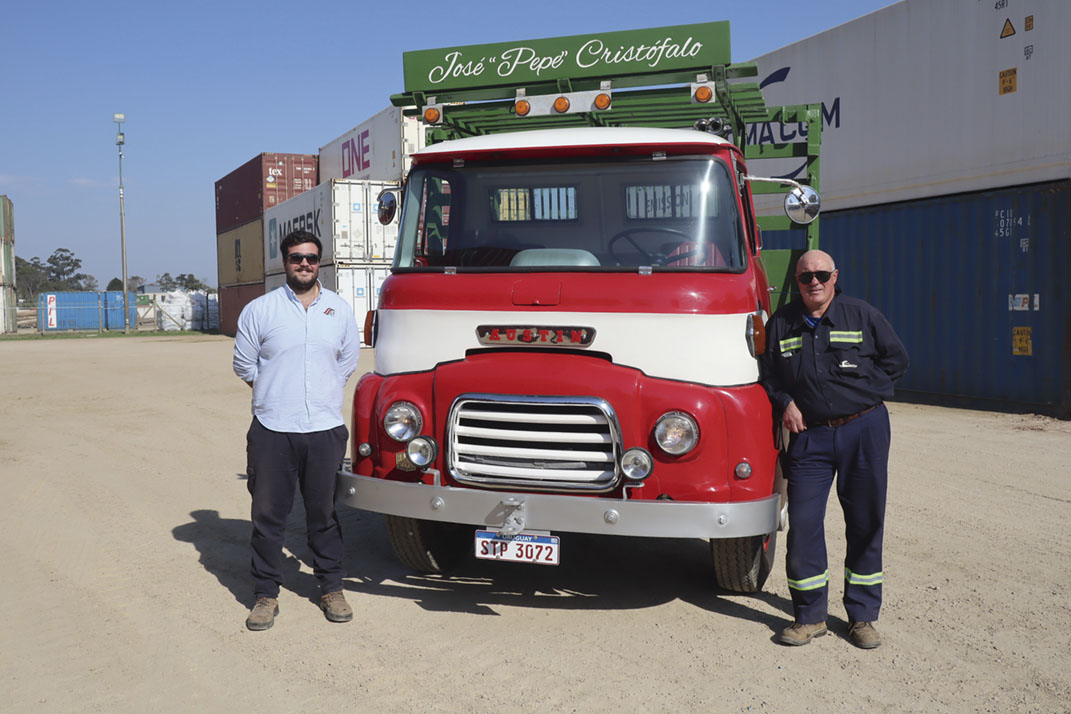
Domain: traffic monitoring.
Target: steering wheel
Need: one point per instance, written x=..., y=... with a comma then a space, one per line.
x=651, y=258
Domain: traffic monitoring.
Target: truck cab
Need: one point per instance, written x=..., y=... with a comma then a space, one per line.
x=568, y=343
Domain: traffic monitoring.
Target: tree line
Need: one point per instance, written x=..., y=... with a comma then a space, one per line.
x=61, y=272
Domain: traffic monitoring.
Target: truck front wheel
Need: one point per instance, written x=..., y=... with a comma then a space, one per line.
x=427, y=546
x=742, y=565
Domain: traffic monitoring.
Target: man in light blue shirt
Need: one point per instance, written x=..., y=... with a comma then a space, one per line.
x=296, y=347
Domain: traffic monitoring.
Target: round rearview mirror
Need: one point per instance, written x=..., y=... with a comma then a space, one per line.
x=802, y=204
x=388, y=206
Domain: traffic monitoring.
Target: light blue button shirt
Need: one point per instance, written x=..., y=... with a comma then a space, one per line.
x=298, y=360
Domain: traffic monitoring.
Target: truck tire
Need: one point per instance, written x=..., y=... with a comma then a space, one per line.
x=427, y=546
x=741, y=565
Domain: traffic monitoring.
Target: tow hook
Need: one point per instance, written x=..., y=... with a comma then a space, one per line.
x=513, y=519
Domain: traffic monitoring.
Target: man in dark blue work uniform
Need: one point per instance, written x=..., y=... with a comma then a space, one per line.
x=830, y=363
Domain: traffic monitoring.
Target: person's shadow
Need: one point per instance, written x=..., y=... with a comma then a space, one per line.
x=223, y=544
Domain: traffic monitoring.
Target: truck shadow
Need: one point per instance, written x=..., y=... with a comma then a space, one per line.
x=596, y=572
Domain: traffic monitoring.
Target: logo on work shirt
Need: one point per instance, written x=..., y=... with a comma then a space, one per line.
x=845, y=364
x=329, y=311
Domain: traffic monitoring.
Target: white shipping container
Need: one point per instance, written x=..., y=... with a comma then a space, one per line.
x=927, y=98
x=342, y=214
x=376, y=149
x=7, y=262
x=277, y=280
x=360, y=285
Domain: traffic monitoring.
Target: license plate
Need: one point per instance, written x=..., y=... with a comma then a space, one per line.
x=536, y=548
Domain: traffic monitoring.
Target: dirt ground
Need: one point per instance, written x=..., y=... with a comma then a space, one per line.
x=124, y=539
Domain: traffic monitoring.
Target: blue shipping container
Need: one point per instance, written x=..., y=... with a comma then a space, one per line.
x=978, y=286
x=60, y=311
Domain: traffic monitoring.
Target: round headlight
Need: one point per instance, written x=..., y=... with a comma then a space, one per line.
x=637, y=464
x=422, y=451
x=743, y=470
x=402, y=421
x=676, y=433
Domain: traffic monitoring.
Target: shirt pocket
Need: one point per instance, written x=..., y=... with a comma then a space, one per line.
x=846, y=348
x=788, y=356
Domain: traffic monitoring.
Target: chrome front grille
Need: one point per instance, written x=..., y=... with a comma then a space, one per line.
x=544, y=443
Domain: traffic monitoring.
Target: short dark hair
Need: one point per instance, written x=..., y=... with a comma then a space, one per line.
x=297, y=238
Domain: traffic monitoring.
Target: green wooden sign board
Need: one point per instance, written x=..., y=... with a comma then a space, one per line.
x=608, y=54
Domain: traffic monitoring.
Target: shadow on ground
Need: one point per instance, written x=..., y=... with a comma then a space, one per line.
x=597, y=572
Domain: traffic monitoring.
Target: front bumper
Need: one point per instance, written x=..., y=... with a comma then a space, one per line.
x=512, y=512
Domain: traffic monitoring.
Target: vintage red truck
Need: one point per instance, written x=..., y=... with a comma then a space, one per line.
x=567, y=342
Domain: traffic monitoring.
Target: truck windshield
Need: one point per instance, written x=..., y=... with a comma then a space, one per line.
x=672, y=214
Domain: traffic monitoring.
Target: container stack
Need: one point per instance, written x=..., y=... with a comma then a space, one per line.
x=354, y=168
x=8, y=321
x=945, y=166
x=242, y=197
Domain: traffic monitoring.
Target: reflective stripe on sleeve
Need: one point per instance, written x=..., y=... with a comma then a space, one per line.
x=856, y=579
x=846, y=336
x=813, y=583
x=792, y=343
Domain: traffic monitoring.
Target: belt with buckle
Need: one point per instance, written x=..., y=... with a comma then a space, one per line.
x=841, y=421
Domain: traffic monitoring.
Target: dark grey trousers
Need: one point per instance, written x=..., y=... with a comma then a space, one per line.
x=277, y=462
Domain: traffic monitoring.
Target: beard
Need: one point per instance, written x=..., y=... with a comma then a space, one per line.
x=299, y=281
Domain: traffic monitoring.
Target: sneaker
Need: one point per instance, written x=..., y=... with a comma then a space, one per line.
x=262, y=616
x=864, y=636
x=799, y=634
x=335, y=607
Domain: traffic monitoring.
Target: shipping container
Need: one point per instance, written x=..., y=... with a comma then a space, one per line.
x=240, y=254
x=262, y=182
x=232, y=298
x=926, y=98
x=377, y=149
x=8, y=309
x=976, y=285
x=7, y=263
x=360, y=285
x=342, y=214
x=327, y=279
x=7, y=220
x=60, y=311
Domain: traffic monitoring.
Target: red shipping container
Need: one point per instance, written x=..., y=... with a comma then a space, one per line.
x=262, y=182
x=232, y=298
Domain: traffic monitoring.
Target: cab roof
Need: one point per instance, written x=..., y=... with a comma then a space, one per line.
x=579, y=137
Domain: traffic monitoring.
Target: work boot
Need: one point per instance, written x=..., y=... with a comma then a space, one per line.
x=262, y=616
x=799, y=634
x=864, y=636
x=335, y=607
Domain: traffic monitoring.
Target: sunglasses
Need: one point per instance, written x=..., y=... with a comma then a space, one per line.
x=823, y=276
x=297, y=258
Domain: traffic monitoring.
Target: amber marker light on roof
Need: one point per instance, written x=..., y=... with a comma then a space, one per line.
x=561, y=104
x=522, y=107
x=432, y=115
x=602, y=101
x=703, y=94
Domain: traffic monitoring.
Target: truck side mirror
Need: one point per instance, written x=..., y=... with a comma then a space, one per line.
x=802, y=204
x=387, y=205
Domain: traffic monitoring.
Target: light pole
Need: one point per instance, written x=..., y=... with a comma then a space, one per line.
x=120, y=139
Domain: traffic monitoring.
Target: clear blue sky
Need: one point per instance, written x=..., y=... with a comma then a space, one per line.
x=206, y=86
